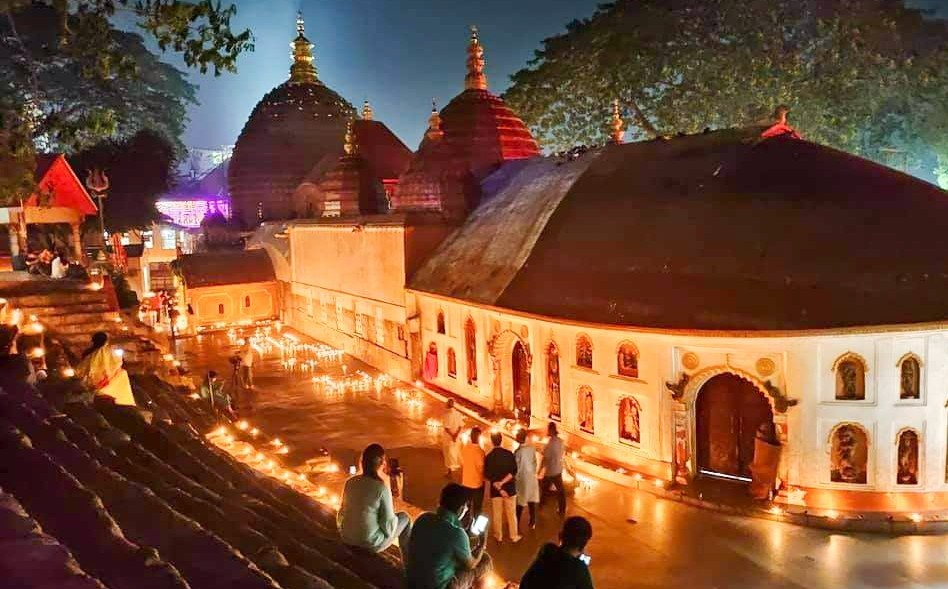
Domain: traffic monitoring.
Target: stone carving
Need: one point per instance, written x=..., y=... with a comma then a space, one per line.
x=765, y=366
x=850, y=378
x=908, y=458
x=586, y=410
x=629, y=421
x=628, y=360
x=781, y=401
x=553, y=381
x=677, y=389
x=849, y=455
x=681, y=448
x=690, y=361
x=910, y=379
x=584, y=351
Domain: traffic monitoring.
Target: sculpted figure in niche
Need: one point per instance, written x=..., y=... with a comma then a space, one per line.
x=553, y=381
x=586, y=410
x=849, y=455
x=452, y=363
x=908, y=458
x=629, y=416
x=850, y=381
x=440, y=322
x=584, y=352
x=910, y=380
x=430, y=368
x=470, y=336
x=628, y=360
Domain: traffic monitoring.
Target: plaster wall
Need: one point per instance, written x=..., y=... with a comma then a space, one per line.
x=800, y=366
x=232, y=303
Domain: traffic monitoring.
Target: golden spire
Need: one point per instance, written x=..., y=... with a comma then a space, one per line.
x=350, y=147
x=366, y=110
x=434, y=131
x=475, y=78
x=618, y=125
x=303, y=70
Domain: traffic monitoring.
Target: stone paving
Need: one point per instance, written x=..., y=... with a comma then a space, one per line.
x=640, y=540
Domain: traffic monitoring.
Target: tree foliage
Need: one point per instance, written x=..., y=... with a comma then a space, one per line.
x=865, y=76
x=139, y=170
x=70, y=78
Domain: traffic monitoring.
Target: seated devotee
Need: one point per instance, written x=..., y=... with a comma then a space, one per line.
x=15, y=367
x=212, y=391
x=101, y=369
x=59, y=266
x=439, y=551
x=562, y=567
x=367, y=517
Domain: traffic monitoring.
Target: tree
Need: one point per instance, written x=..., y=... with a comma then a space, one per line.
x=70, y=78
x=139, y=170
x=857, y=74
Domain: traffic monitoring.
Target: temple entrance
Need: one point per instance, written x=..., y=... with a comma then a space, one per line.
x=521, y=383
x=728, y=410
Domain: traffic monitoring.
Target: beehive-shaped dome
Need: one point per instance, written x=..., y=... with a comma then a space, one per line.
x=291, y=129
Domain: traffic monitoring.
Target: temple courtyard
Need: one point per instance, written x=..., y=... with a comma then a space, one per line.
x=640, y=540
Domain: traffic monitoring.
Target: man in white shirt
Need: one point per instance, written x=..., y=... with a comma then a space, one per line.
x=59, y=266
x=246, y=366
x=451, y=438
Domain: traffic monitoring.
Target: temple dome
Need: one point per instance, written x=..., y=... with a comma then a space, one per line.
x=291, y=129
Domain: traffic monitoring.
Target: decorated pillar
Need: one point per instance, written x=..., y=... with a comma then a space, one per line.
x=76, y=239
x=682, y=447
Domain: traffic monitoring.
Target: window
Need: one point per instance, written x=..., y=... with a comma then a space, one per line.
x=470, y=350
x=247, y=303
x=849, y=454
x=441, y=322
x=452, y=363
x=586, y=411
x=628, y=360
x=908, y=458
x=168, y=239
x=148, y=239
x=584, y=351
x=220, y=309
x=910, y=372
x=629, y=420
x=553, y=381
x=850, y=378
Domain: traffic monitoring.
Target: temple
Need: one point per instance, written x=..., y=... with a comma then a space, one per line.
x=739, y=305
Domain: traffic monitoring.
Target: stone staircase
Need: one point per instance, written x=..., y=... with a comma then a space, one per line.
x=71, y=312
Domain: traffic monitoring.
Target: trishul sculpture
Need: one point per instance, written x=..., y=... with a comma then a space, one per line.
x=98, y=184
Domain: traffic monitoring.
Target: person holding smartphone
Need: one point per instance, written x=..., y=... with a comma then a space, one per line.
x=439, y=551
x=564, y=566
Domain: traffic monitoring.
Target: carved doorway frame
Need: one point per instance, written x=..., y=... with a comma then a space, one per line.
x=500, y=351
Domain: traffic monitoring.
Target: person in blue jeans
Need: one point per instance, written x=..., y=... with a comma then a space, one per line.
x=367, y=518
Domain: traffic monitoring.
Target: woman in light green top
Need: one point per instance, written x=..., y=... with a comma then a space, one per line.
x=367, y=518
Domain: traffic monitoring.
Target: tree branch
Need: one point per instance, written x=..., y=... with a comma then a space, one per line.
x=640, y=119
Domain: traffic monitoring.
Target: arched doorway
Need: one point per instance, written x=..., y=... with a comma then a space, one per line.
x=729, y=410
x=520, y=370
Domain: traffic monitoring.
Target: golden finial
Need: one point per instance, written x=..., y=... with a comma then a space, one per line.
x=475, y=78
x=366, y=110
x=303, y=70
x=434, y=131
x=350, y=146
x=618, y=125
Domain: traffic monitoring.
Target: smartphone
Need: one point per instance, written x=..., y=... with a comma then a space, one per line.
x=585, y=558
x=479, y=525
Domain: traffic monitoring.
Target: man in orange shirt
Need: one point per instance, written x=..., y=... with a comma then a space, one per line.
x=472, y=470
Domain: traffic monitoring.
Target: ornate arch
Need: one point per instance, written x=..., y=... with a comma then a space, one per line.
x=909, y=356
x=502, y=343
x=584, y=337
x=778, y=401
x=851, y=356
x=865, y=430
x=500, y=349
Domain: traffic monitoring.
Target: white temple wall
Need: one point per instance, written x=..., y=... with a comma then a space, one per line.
x=797, y=366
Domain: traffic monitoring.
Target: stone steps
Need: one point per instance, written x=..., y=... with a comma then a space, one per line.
x=68, y=308
x=105, y=318
x=58, y=299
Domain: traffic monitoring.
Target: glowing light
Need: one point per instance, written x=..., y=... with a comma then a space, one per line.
x=775, y=510
x=34, y=327
x=37, y=353
x=433, y=423
x=915, y=517
x=190, y=212
x=242, y=425
x=69, y=372
x=118, y=352
x=637, y=476
x=168, y=357
x=34, y=318
x=659, y=483
x=95, y=286
x=832, y=514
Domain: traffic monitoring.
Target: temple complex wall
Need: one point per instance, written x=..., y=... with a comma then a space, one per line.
x=859, y=413
x=230, y=304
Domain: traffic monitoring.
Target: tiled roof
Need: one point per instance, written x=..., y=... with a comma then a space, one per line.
x=226, y=267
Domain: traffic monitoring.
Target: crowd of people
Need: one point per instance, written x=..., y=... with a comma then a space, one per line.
x=55, y=265
x=446, y=548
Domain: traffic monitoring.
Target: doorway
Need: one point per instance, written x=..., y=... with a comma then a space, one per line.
x=729, y=410
x=521, y=383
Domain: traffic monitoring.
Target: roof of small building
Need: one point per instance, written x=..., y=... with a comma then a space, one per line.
x=57, y=179
x=717, y=231
x=226, y=267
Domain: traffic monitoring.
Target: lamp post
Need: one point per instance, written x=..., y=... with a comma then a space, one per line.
x=98, y=183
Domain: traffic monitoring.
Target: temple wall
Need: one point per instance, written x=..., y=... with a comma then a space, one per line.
x=801, y=367
x=232, y=303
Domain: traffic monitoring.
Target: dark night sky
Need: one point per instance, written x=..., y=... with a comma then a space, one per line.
x=397, y=53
